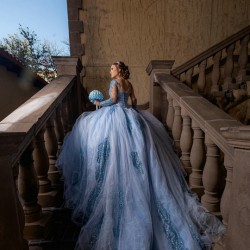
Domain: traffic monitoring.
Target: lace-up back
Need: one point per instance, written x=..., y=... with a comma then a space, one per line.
x=122, y=99
x=122, y=96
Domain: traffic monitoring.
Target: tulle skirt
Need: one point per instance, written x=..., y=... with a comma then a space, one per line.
x=127, y=188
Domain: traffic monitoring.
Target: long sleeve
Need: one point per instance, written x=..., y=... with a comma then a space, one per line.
x=112, y=94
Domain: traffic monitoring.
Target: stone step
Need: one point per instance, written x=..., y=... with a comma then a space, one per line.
x=61, y=235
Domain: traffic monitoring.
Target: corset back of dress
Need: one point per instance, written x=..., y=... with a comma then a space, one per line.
x=122, y=99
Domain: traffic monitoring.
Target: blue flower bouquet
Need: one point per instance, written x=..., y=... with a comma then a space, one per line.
x=96, y=95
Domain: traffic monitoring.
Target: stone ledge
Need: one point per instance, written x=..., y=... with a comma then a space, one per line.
x=159, y=65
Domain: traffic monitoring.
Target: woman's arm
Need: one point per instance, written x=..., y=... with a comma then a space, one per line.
x=113, y=96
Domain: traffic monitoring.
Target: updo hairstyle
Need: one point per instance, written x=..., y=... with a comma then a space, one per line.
x=124, y=71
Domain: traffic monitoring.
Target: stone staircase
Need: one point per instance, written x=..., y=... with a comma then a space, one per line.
x=221, y=74
x=62, y=235
x=202, y=133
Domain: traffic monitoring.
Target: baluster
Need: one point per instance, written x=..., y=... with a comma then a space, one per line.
x=186, y=141
x=28, y=186
x=211, y=177
x=229, y=67
x=52, y=148
x=226, y=197
x=64, y=114
x=170, y=114
x=189, y=75
x=46, y=196
x=41, y=162
x=243, y=59
x=20, y=211
x=216, y=72
x=11, y=211
x=164, y=107
x=36, y=222
x=182, y=77
x=197, y=159
x=70, y=111
x=59, y=128
x=74, y=102
x=201, y=83
x=177, y=126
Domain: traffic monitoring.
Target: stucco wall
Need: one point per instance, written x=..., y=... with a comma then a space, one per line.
x=14, y=91
x=138, y=31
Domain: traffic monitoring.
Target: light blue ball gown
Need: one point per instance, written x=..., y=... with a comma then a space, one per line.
x=126, y=186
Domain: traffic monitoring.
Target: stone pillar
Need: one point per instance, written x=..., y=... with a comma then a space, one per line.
x=28, y=186
x=239, y=205
x=66, y=65
x=177, y=127
x=211, y=178
x=197, y=159
x=229, y=66
x=65, y=116
x=52, y=148
x=70, y=111
x=11, y=212
x=157, y=66
x=41, y=162
x=189, y=75
x=76, y=27
x=164, y=110
x=186, y=141
x=47, y=194
x=216, y=72
x=201, y=83
x=170, y=114
x=226, y=196
x=243, y=59
x=36, y=221
x=59, y=128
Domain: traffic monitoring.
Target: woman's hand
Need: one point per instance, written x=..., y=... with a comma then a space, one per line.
x=97, y=103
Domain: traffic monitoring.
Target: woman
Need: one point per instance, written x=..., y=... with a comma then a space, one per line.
x=124, y=182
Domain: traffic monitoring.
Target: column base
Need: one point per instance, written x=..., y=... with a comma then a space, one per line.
x=38, y=229
x=54, y=177
x=54, y=198
x=199, y=190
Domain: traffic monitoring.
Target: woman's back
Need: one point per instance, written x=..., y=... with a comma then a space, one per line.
x=124, y=91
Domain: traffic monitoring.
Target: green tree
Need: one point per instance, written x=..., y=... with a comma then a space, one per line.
x=33, y=53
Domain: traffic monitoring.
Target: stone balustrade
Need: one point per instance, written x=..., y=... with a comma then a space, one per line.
x=30, y=138
x=220, y=69
x=211, y=145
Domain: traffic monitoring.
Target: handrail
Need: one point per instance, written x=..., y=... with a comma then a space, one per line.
x=213, y=149
x=211, y=116
x=211, y=51
x=30, y=125
x=30, y=138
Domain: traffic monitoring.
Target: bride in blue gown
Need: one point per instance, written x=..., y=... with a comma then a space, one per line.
x=124, y=183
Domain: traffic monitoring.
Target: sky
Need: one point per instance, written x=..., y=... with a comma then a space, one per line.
x=47, y=18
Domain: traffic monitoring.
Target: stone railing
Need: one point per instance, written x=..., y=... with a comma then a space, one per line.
x=30, y=139
x=220, y=73
x=213, y=147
